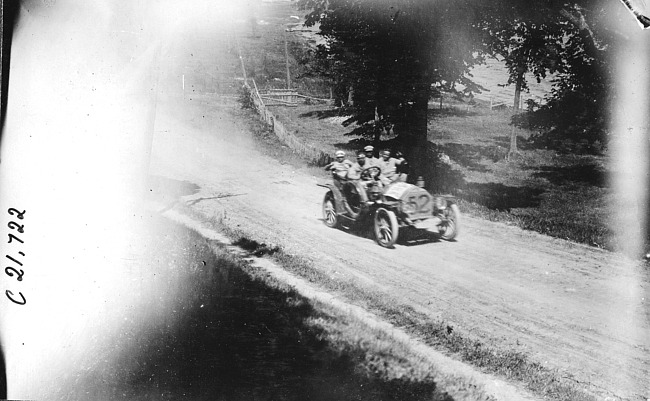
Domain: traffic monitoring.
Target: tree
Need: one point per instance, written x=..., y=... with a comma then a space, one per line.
x=525, y=45
x=565, y=39
x=577, y=110
x=389, y=54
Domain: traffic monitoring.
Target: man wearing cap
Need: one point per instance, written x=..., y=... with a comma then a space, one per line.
x=371, y=160
x=388, y=167
x=340, y=166
x=354, y=173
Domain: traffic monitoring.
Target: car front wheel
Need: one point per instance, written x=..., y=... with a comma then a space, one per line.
x=329, y=211
x=450, y=225
x=386, y=227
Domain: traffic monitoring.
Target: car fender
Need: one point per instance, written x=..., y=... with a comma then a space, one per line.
x=338, y=197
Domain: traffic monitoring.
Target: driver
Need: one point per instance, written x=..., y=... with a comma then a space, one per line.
x=358, y=172
x=354, y=172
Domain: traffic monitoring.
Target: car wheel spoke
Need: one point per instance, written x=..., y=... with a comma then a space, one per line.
x=386, y=235
x=384, y=229
x=329, y=210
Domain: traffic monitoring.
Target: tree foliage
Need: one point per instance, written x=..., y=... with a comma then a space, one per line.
x=391, y=55
x=387, y=51
x=568, y=41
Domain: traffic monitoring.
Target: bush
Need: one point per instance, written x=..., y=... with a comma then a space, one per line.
x=245, y=98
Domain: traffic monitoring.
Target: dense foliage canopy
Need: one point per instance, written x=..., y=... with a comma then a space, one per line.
x=569, y=41
x=386, y=58
x=388, y=53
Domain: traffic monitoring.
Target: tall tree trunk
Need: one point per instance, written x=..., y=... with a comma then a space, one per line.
x=412, y=133
x=515, y=108
x=377, y=137
x=517, y=93
x=376, y=141
x=286, y=56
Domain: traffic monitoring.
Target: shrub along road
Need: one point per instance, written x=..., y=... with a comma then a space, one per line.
x=574, y=309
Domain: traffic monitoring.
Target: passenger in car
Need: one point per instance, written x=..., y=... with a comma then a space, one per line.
x=340, y=166
x=354, y=172
x=388, y=167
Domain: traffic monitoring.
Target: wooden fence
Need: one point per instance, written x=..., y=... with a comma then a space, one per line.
x=317, y=156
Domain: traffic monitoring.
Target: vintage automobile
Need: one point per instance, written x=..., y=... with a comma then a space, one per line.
x=397, y=205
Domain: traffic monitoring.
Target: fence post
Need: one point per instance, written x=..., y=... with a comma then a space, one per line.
x=278, y=128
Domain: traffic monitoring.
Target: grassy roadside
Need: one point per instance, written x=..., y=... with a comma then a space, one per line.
x=555, y=193
x=375, y=352
x=220, y=328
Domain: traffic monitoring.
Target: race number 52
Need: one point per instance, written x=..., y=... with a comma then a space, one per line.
x=421, y=204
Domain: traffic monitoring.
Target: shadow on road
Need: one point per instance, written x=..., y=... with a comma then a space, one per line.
x=170, y=189
x=587, y=174
x=408, y=236
x=502, y=197
x=414, y=237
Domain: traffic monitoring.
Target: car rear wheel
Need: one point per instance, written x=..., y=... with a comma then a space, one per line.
x=451, y=219
x=329, y=211
x=386, y=228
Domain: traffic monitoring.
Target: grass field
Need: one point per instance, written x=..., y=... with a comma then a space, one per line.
x=560, y=194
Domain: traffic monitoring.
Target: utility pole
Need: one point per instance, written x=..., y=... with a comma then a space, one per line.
x=241, y=59
x=286, y=56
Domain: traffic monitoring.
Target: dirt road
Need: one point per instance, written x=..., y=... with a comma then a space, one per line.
x=572, y=308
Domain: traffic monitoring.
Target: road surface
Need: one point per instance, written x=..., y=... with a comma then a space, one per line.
x=579, y=310
x=576, y=309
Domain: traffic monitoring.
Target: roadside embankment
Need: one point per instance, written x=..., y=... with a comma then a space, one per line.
x=383, y=352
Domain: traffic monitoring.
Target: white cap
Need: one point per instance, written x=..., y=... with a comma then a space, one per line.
x=368, y=148
x=340, y=153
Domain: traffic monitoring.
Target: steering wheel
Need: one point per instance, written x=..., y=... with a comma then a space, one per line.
x=370, y=172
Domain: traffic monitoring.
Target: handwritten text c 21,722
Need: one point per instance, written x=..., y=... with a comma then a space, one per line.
x=14, y=269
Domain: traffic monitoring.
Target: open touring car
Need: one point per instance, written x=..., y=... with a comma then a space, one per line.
x=389, y=208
